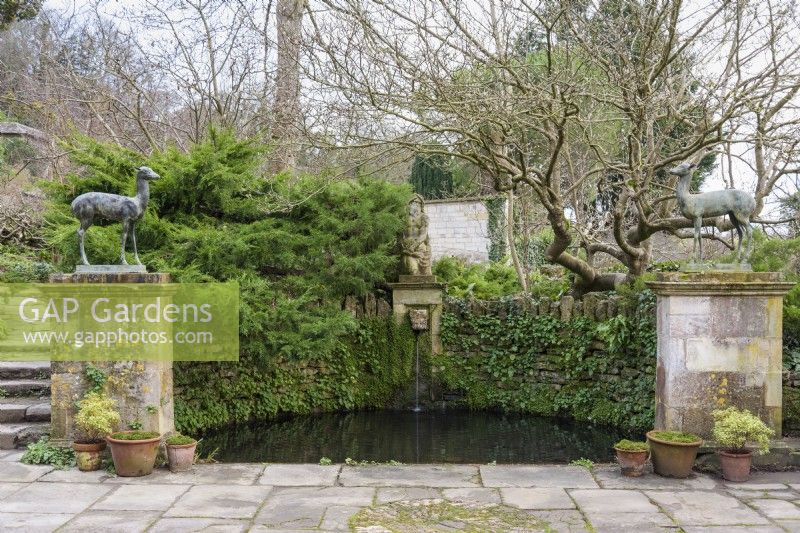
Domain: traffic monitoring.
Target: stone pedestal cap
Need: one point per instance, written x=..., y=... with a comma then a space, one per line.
x=111, y=277
x=720, y=283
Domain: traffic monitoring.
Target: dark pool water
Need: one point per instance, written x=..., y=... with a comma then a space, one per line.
x=426, y=437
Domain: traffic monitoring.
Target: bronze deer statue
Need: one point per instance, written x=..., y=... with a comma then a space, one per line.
x=126, y=209
x=738, y=205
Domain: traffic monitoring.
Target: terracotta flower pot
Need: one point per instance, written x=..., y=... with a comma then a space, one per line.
x=181, y=456
x=89, y=455
x=735, y=465
x=631, y=462
x=134, y=458
x=672, y=459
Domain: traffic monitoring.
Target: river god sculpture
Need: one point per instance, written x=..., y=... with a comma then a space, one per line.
x=416, y=248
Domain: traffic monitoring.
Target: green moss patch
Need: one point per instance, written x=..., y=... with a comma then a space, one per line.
x=632, y=446
x=135, y=435
x=676, y=436
x=180, y=440
x=440, y=515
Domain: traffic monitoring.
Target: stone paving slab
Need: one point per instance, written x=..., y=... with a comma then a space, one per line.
x=219, y=501
x=601, y=501
x=409, y=476
x=757, y=478
x=300, y=475
x=631, y=522
x=609, y=477
x=305, y=507
x=696, y=508
x=235, y=498
x=743, y=494
x=337, y=517
x=537, y=498
x=54, y=498
x=105, y=521
x=13, y=456
x=9, y=488
x=733, y=529
x=32, y=522
x=216, y=474
x=141, y=497
x=564, y=521
x=187, y=525
x=470, y=495
x=395, y=494
x=537, y=476
x=793, y=526
x=777, y=509
x=73, y=475
x=21, y=473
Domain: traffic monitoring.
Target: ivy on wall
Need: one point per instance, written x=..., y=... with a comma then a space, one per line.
x=365, y=369
x=504, y=356
x=497, y=240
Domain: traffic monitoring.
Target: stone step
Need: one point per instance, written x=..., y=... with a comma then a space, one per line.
x=24, y=370
x=20, y=435
x=25, y=387
x=18, y=410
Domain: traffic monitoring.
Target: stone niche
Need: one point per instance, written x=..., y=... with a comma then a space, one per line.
x=420, y=292
x=719, y=345
x=141, y=389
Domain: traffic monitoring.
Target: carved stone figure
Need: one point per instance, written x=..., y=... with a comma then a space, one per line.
x=416, y=248
x=126, y=209
x=738, y=205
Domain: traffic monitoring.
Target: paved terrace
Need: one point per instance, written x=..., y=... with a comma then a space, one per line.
x=281, y=497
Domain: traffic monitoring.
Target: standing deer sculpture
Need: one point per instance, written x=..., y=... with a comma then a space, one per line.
x=738, y=205
x=126, y=209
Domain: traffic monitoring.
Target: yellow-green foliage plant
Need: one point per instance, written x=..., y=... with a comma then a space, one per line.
x=733, y=429
x=96, y=416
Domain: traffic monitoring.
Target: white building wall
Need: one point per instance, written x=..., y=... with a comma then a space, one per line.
x=458, y=228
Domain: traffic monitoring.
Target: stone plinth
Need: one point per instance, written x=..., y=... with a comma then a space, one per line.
x=142, y=389
x=719, y=345
x=420, y=292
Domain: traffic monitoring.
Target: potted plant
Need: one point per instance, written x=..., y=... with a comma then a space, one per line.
x=180, y=452
x=95, y=419
x=673, y=452
x=631, y=456
x=134, y=452
x=733, y=429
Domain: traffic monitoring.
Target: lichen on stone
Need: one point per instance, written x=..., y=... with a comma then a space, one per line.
x=441, y=515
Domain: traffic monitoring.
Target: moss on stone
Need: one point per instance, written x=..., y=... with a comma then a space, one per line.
x=675, y=436
x=441, y=515
x=135, y=435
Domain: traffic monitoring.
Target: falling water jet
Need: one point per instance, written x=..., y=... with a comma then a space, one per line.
x=419, y=324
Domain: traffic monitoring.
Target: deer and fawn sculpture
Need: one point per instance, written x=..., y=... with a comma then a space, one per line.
x=738, y=205
x=126, y=209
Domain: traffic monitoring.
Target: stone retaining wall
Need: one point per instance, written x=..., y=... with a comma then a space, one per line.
x=547, y=370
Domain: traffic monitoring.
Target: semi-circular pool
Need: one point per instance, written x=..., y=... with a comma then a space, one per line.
x=436, y=436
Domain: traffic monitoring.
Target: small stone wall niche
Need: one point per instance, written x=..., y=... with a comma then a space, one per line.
x=142, y=389
x=420, y=292
x=719, y=345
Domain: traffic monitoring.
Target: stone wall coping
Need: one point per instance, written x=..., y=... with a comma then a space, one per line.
x=466, y=200
x=720, y=283
x=417, y=285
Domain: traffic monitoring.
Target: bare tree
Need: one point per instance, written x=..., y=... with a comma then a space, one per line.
x=561, y=97
x=286, y=126
x=144, y=74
